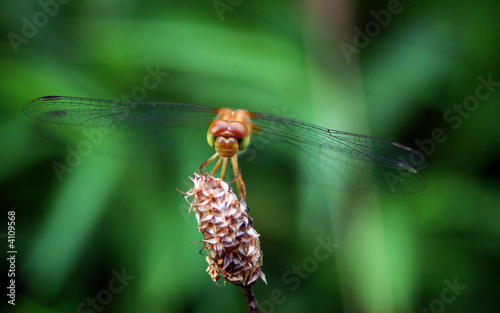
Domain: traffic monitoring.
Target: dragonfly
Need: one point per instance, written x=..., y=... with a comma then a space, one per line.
x=322, y=156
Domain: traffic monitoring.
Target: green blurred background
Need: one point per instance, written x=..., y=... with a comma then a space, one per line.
x=407, y=82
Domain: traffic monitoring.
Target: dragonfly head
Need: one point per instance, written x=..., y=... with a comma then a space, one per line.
x=228, y=137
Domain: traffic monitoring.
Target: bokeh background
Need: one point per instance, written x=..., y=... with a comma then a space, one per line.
x=412, y=76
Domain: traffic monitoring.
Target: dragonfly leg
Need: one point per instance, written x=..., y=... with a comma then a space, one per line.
x=213, y=157
x=216, y=167
x=224, y=167
x=242, y=190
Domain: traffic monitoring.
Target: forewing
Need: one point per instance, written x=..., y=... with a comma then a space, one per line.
x=133, y=129
x=340, y=160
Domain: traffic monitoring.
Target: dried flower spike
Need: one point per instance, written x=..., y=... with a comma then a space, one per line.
x=229, y=237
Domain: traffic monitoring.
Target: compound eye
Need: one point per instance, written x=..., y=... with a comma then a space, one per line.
x=243, y=143
x=211, y=139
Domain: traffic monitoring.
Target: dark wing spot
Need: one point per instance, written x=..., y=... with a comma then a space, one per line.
x=407, y=167
x=56, y=113
x=402, y=146
x=49, y=98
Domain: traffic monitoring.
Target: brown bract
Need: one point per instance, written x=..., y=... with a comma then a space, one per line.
x=229, y=237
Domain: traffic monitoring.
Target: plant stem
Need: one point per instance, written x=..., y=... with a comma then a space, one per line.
x=250, y=296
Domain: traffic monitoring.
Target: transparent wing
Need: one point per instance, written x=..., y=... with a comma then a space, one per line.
x=341, y=160
x=137, y=129
x=322, y=156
